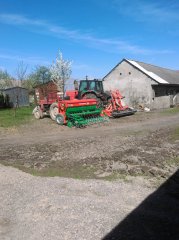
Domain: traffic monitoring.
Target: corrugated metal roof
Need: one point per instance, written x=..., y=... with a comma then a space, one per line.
x=159, y=74
x=7, y=89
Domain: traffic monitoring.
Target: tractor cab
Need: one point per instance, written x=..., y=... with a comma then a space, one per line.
x=91, y=86
x=93, y=89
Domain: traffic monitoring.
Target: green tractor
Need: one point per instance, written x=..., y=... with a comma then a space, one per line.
x=94, y=89
x=111, y=102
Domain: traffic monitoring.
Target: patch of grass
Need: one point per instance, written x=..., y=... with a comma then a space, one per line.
x=173, y=161
x=9, y=119
x=170, y=111
x=76, y=172
x=115, y=176
x=175, y=134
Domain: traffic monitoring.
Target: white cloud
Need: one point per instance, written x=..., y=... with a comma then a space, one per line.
x=29, y=59
x=148, y=11
x=103, y=44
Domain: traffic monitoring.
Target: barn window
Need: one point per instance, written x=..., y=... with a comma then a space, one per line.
x=129, y=73
x=120, y=73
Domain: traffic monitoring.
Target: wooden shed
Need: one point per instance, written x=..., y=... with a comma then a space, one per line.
x=18, y=96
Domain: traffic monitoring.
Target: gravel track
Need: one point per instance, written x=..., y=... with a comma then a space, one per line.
x=60, y=208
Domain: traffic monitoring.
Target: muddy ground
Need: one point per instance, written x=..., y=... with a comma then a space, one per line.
x=145, y=144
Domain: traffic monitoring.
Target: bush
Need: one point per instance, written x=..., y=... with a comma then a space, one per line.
x=1, y=100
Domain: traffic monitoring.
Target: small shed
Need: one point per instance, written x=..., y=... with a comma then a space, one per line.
x=18, y=96
x=144, y=84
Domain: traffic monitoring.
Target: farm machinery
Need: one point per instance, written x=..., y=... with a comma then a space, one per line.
x=87, y=105
x=70, y=110
x=111, y=102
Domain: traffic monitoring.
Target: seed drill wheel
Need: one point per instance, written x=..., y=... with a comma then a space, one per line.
x=60, y=119
x=53, y=111
x=38, y=114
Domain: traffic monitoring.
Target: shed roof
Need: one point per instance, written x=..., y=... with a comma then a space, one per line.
x=11, y=88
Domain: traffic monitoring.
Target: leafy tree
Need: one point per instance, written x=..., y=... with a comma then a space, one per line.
x=60, y=71
x=40, y=75
x=29, y=83
x=6, y=80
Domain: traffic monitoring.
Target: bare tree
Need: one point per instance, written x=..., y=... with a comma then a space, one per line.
x=21, y=71
x=60, y=72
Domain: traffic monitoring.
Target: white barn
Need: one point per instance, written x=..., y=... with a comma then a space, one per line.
x=144, y=84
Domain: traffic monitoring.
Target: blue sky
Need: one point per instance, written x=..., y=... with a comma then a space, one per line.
x=94, y=34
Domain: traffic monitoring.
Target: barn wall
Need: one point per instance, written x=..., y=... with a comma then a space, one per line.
x=136, y=87
x=161, y=102
x=165, y=96
x=176, y=99
x=133, y=84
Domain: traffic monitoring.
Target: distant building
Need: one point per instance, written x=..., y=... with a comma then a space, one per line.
x=18, y=96
x=144, y=84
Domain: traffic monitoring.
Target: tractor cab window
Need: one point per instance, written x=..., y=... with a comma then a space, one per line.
x=83, y=86
x=99, y=86
x=92, y=85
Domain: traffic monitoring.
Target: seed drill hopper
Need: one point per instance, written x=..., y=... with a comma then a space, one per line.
x=79, y=113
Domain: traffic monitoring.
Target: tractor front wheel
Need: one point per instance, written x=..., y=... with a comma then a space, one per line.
x=60, y=119
x=53, y=111
x=38, y=114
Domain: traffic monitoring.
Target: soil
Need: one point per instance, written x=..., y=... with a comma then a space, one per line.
x=142, y=144
x=140, y=149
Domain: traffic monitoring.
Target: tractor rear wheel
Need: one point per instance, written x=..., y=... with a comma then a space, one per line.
x=93, y=96
x=38, y=114
x=60, y=119
x=53, y=111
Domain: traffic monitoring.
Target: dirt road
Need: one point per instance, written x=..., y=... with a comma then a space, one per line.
x=134, y=150
x=142, y=144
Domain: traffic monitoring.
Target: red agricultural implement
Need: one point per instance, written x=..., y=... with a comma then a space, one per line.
x=116, y=106
x=70, y=111
x=84, y=106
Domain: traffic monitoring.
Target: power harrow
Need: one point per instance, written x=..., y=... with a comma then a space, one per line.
x=116, y=107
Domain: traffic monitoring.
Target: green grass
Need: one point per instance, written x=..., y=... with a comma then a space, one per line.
x=115, y=176
x=170, y=111
x=10, y=118
x=76, y=172
x=173, y=161
x=175, y=134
